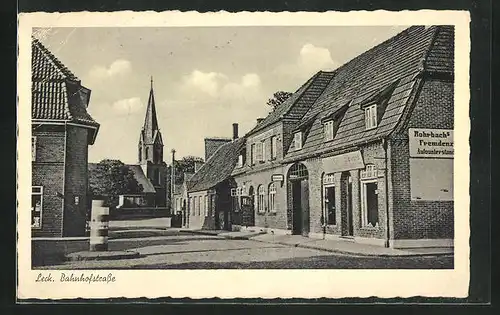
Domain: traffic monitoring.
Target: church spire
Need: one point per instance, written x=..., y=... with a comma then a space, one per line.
x=150, y=121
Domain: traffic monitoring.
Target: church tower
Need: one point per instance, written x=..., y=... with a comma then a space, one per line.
x=150, y=151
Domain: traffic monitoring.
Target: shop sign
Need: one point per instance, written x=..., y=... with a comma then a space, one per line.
x=435, y=143
x=277, y=177
x=343, y=162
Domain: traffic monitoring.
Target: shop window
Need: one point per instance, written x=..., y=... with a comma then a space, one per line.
x=36, y=206
x=272, y=198
x=33, y=149
x=329, y=199
x=260, y=199
x=371, y=116
x=328, y=130
x=369, y=196
x=274, y=147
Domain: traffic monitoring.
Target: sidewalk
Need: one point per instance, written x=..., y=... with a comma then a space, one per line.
x=337, y=246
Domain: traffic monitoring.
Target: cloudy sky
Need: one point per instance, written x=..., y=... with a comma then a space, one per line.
x=205, y=78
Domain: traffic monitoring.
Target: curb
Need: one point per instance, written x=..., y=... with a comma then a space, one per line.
x=88, y=256
x=347, y=253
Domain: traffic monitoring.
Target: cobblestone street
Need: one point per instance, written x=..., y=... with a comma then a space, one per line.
x=187, y=251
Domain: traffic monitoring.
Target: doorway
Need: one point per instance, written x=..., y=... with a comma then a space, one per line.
x=346, y=210
x=298, y=179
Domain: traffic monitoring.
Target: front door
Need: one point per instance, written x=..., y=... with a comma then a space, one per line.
x=304, y=205
x=346, y=205
x=247, y=211
x=297, y=207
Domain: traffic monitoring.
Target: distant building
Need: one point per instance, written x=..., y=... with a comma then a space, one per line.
x=151, y=172
x=62, y=130
x=208, y=203
x=363, y=153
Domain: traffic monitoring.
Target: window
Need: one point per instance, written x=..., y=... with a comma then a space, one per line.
x=260, y=199
x=252, y=154
x=240, y=160
x=36, y=206
x=297, y=140
x=259, y=151
x=328, y=130
x=190, y=206
x=274, y=147
x=263, y=149
x=205, y=201
x=140, y=153
x=329, y=199
x=33, y=149
x=212, y=205
x=198, y=205
x=371, y=116
x=272, y=197
x=369, y=196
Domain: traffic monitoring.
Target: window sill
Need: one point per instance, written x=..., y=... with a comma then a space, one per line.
x=261, y=212
x=371, y=128
x=370, y=228
x=272, y=212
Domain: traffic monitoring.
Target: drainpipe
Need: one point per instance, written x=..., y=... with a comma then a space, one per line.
x=386, y=175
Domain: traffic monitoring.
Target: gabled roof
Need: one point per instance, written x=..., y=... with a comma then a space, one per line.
x=57, y=93
x=141, y=178
x=218, y=167
x=298, y=103
x=399, y=61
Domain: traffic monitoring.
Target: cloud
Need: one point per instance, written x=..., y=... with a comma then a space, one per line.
x=310, y=60
x=205, y=87
x=206, y=82
x=128, y=105
x=116, y=68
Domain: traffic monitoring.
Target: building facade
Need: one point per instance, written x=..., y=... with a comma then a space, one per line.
x=368, y=156
x=209, y=190
x=62, y=130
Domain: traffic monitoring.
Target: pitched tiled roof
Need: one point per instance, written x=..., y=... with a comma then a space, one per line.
x=56, y=92
x=218, y=167
x=299, y=102
x=397, y=61
x=141, y=178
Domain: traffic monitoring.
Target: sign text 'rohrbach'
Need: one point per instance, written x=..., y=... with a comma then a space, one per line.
x=436, y=143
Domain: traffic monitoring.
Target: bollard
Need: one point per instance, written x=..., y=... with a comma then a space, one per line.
x=99, y=225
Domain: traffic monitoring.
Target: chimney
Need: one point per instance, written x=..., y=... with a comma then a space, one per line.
x=259, y=120
x=235, y=131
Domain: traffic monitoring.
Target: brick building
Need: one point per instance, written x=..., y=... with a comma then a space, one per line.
x=208, y=203
x=62, y=130
x=363, y=153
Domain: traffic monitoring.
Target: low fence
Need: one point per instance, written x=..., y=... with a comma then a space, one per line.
x=139, y=212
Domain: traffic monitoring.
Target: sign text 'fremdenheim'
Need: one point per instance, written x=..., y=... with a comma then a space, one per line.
x=437, y=143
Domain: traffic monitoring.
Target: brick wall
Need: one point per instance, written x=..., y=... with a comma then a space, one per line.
x=268, y=219
x=76, y=181
x=48, y=171
x=421, y=219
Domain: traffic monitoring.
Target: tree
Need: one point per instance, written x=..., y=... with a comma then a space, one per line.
x=111, y=178
x=183, y=165
x=278, y=98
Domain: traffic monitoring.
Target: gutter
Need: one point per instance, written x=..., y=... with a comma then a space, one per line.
x=385, y=144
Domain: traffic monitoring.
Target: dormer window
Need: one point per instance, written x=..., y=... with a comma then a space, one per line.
x=328, y=130
x=371, y=116
x=240, y=160
x=297, y=140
